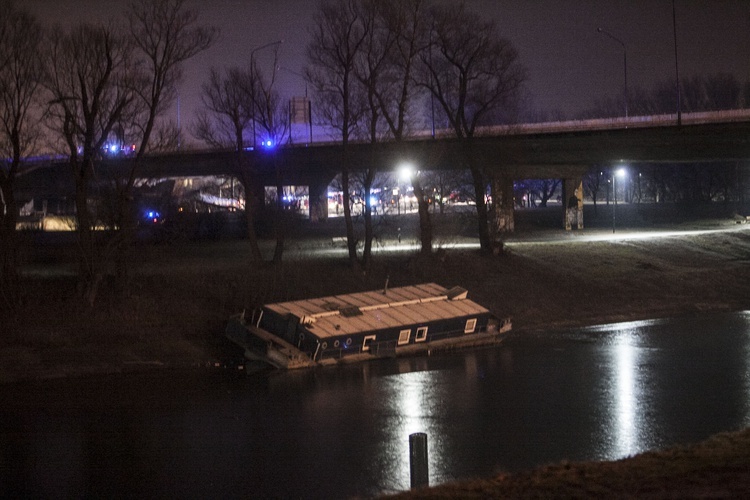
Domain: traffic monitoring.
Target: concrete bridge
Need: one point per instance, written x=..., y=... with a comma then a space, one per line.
x=562, y=150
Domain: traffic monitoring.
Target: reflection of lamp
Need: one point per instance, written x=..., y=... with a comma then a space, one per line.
x=626, y=391
x=621, y=173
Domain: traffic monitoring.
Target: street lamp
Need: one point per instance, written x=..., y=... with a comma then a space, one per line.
x=406, y=173
x=619, y=172
x=252, y=78
x=625, y=63
x=676, y=67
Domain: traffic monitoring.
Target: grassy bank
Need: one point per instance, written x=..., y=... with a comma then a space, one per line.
x=715, y=468
x=182, y=292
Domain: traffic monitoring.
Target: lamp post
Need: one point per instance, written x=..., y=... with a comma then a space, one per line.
x=676, y=67
x=625, y=63
x=621, y=173
x=252, y=78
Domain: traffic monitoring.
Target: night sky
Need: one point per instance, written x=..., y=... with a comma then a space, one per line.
x=569, y=64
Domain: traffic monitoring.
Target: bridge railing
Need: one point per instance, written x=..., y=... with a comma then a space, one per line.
x=323, y=139
x=697, y=118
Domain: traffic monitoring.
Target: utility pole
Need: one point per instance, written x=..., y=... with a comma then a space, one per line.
x=625, y=63
x=676, y=67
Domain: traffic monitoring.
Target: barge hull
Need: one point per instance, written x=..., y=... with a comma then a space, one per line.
x=260, y=345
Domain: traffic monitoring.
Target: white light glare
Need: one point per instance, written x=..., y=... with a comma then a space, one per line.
x=406, y=171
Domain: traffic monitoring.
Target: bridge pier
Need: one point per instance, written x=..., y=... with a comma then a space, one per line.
x=572, y=195
x=502, y=203
x=318, y=193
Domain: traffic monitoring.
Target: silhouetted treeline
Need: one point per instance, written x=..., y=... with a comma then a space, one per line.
x=721, y=91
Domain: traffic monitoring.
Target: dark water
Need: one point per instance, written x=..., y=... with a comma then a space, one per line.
x=587, y=394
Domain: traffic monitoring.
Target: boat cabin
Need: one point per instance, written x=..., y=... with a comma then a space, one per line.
x=378, y=323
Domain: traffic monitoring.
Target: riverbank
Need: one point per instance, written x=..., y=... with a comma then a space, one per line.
x=183, y=292
x=715, y=468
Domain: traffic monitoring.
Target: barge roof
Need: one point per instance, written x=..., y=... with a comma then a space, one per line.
x=361, y=312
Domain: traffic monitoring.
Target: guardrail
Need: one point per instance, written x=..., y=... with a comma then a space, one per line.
x=697, y=118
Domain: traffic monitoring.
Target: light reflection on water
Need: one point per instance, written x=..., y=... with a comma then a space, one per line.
x=413, y=404
x=585, y=394
x=624, y=364
x=746, y=354
x=628, y=391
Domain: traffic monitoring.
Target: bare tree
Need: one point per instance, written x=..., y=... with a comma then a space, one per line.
x=90, y=78
x=715, y=92
x=392, y=33
x=337, y=36
x=592, y=181
x=273, y=120
x=473, y=73
x=20, y=74
x=369, y=69
x=723, y=91
x=405, y=21
x=544, y=188
x=227, y=116
x=227, y=112
x=164, y=34
x=396, y=37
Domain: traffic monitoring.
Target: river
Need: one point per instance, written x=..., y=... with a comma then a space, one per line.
x=597, y=393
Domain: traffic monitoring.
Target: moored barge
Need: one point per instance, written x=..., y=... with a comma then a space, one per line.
x=398, y=321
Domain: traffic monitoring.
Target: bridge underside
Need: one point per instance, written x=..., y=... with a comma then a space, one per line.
x=57, y=181
x=504, y=201
x=505, y=157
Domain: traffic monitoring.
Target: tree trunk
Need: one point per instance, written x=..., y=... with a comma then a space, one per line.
x=87, y=255
x=367, y=253
x=485, y=244
x=251, y=203
x=124, y=238
x=89, y=265
x=9, y=287
x=252, y=236
x=279, y=224
x=425, y=223
x=351, y=243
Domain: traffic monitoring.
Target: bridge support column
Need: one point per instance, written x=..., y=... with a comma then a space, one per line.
x=573, y=203
x=318, y=202
x=502, y=202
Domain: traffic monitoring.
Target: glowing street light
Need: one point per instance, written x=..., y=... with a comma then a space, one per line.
x=621, y=173
x=405, y=172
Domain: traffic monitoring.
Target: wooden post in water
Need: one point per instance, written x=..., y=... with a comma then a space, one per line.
x=418, y=460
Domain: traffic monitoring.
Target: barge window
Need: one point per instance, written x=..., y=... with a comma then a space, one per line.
x=366, y=344
x=403, y=337
x=421, y=334
x=471, y=325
